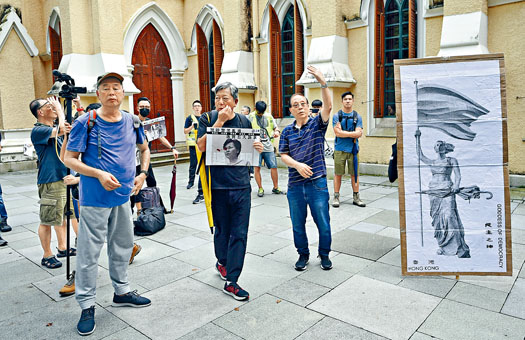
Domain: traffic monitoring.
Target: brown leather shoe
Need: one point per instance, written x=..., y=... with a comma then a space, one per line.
x=135, y=252
x=69, y=287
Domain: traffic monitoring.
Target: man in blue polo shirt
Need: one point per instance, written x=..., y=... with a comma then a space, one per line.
x=107, y=180
x=302, y=148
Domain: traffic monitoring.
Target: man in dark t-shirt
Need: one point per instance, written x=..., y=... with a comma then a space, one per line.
x=230, y=191
x=47, y=138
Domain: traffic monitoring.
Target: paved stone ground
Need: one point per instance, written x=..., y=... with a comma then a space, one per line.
x=363, y=297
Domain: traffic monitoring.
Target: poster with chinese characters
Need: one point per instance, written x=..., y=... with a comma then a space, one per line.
x=231, y=146
x=454, y=198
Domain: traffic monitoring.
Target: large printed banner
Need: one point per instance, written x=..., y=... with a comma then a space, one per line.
x=454, y=198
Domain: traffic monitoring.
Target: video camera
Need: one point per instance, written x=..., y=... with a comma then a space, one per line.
x=68, y=90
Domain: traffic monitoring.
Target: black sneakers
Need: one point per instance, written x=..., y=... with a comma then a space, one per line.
x=198, y=199
x=326, y=264
x=235, y=291
x=302, y=263
x=86, y=324
x=131, y=299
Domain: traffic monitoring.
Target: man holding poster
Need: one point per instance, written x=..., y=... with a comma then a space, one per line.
x=230, y=191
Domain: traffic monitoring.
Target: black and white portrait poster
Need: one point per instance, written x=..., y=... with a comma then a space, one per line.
x=452, y=156
x=154, y=128
x=231, y=146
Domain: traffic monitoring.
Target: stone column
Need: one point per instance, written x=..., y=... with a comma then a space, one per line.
x=177, y=86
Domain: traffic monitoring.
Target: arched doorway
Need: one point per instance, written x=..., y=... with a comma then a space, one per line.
x=152, y=76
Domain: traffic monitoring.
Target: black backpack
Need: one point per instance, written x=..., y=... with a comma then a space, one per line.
x=150, y=221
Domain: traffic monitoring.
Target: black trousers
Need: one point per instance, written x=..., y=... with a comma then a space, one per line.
x=231, y=216
x=193, y=168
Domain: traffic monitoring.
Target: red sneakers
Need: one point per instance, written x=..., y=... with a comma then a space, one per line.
x=221, y=270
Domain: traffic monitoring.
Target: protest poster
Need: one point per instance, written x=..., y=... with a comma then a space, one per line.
x=154, y=128
x=454, y=197
x=231, y=146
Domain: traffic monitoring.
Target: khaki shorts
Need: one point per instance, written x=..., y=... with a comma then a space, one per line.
x=343, y=159
x=52, y=203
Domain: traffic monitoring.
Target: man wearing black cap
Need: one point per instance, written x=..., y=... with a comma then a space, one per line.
x=107, y=180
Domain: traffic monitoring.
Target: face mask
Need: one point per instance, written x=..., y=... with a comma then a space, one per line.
x=144, y=112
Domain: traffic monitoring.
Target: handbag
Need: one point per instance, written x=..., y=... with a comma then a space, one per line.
x=328, y=150
x=150, y=221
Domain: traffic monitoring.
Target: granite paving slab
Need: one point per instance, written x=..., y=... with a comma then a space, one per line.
x=369, y=246
x=198, y=221
x=160, y=273
x=383, y=272
x=453, y=320
x=151, y=251
x=393, y=257
x=262, y=244
x=520, y=209
x=421, y=336
x=21, y=272
x=177, y=309
x=259, y=275
x=329, y=328
x=22, y=244
x=383, y=190
x=518, y=236
x=298, y=291
x=52, y=285
x=189, y=209
x=388, y=218
x=477, y=296
x=57, y=322
x=127, y=333
x=437, y=286
x=26, y=299
x=269, y=318
x=311, y=233
x=260, y=214
x=270, y=228
x=390, y=232
x=9, y=255
x=201, y=257
x=515, y=303
x=349, y=263
x=210, y=331
x=22, y=234
x=172, y=232
x=327, y=278
x=19, y=189
x=386, y=203
x=502, y=283
x=16, y=220
x=390, y=311
x=517, y=220
x=371, y=179
x=342, y=218
x=288, y=254
x=367, y=227
x=187, y=242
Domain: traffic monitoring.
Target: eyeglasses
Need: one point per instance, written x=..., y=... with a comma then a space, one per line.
x=297, y=105
x=44, y=104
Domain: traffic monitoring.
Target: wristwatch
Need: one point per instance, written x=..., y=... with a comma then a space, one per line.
x=173, y=147
x=324, y=86
x=145, y=172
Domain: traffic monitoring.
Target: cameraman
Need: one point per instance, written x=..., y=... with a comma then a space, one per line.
x=47, y=137
x=190, y=125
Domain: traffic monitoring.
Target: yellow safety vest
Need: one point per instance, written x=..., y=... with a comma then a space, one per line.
x=191, y=139
x=256, y=126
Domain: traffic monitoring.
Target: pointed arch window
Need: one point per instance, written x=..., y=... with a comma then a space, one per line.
x=395, y=38
x=210, y=55
x=55, y=42
x=286, y=58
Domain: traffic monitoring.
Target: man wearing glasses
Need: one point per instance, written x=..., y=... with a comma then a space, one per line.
x=107, y=180
x=47, y=137
x=302, y=149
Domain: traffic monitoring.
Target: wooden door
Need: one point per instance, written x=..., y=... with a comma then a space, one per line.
x=152, y=76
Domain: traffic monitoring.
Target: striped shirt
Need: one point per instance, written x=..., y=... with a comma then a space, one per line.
x=305, y=145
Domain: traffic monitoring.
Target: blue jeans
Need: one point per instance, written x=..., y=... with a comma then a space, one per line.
x=3, y=212
x=314, y=194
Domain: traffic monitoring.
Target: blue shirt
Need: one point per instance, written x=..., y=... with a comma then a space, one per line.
x=227, y=177
x=118, y=141
x=50, y=168
x=305, y=145
x=346, y=144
